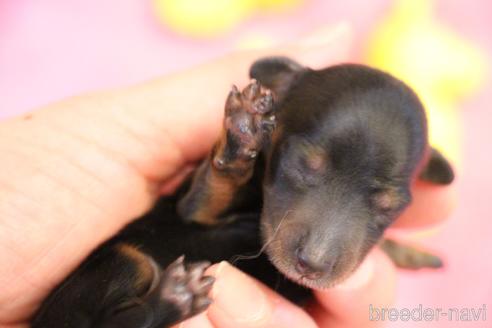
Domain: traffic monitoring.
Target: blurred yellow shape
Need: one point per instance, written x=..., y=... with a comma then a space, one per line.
x=276, y=5
x=441, y=67
x=208, y=18
x=203, y=18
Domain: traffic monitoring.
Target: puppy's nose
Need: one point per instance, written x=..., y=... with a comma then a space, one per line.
x=309, y=267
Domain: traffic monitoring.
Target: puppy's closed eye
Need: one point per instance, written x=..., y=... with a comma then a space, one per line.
x=388, y=199
x=307, y=164
x=384, y=200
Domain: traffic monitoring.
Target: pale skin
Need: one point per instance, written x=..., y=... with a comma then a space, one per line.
x=75, y=172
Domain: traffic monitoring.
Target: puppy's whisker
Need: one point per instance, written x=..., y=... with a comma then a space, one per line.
x=237, y=258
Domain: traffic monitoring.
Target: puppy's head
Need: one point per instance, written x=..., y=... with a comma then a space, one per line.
x=323, y=210
x=339, y=165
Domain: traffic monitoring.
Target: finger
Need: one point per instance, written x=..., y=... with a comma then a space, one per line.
x=172, y=183
x=240, y=301
x=431, y=204
x=349, y=304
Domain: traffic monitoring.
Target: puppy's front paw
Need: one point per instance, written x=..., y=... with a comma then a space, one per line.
x=186, y=287
x=248, y=123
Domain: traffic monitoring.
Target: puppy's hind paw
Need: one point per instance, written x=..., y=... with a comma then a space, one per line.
x=186, y=287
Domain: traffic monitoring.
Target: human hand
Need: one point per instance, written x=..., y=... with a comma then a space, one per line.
x=72, y=174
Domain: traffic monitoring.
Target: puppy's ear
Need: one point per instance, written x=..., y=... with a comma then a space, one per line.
x=276, y=73
x=437, y=170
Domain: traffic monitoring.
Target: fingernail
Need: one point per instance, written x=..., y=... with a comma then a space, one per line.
x=360, y=277
x=325, y=35
x=238, y=296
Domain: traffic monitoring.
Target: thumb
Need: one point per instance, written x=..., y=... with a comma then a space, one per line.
x=349, y=304
x=242, y=302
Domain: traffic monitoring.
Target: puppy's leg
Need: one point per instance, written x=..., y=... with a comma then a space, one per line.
x=408, y=257
x=437, y=170
x=119, y=286
x=248, y=124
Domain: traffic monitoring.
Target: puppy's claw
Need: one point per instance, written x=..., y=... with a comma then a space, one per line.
x=234, y=90
x=268, y=124
x=219, y=163
x=252, y=90
x=251, y=153
x=233, y=101
x=264, y=104
x=177, y=269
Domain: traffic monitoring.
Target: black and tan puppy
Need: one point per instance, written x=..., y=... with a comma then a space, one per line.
x=312, y=166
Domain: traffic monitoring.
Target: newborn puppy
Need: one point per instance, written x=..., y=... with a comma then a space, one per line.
x=311, y=167
x=336, y=170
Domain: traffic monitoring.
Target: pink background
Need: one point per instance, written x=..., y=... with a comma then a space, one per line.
x=52, y=49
